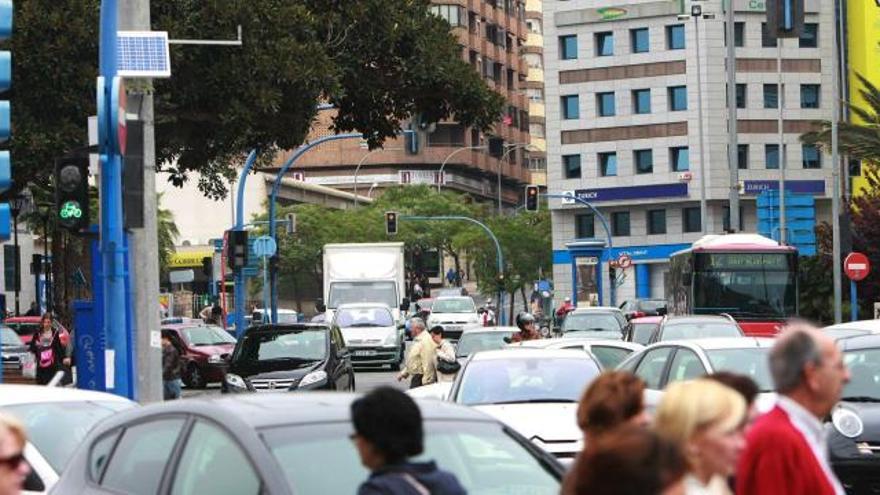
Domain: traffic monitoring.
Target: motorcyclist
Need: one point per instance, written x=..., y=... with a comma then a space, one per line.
x=528, y=329
x=566, y=308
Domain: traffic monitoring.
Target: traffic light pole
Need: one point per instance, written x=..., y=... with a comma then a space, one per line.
x=498, y=254
x=239, y=225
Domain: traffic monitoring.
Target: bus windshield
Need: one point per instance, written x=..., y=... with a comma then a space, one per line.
x=745, y=292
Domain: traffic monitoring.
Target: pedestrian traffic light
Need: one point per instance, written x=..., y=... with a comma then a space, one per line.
x=72, y=192
x=208, y=266
x=391, y=222
x=531, y=198
x=5, y=116
x=237, y=249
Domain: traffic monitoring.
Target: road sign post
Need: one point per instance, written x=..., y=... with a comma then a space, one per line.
x=265, y=247
x=857, y=266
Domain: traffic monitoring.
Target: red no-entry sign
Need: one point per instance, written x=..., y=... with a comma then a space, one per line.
x=857, y=266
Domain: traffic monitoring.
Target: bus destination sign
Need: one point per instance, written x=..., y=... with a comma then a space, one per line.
x=746, y=261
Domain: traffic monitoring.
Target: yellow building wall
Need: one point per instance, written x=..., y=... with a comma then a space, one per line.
x=863, y=45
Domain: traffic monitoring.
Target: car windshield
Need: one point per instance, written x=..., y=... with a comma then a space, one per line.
x=751, y=362
x=864, y=369
x=25, y=328
x=458, y=305
x=533, y=379
x=651, y=305
x=642, y=332
x=484, y=458
x=593, y=321
x=362, y=292
x=472, y=342
x=207, y=335
x=57, y=429
x=701, y=330
x=8, y=337
x=364, y=317
x=295, y=345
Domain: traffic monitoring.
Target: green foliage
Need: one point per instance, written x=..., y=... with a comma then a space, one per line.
x=167, y=234
x=865, y=216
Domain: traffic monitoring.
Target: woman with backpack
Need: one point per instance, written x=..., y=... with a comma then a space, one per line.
x=49, y=352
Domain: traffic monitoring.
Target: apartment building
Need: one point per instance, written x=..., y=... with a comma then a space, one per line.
x=533, y=52
x=623, y=127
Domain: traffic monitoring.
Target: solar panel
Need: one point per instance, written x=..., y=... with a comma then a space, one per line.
x=143, y=54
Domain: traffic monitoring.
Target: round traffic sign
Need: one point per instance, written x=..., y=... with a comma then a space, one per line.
x=264, y=246
x=857, y=266
x=624, y=261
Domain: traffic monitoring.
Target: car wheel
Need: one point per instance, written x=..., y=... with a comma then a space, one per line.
x=196, y=380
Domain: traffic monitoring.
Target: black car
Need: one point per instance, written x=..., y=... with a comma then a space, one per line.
x=638, y=308
x=695, y=327
x=854, y=436
x=289, y=357
x=281, y=444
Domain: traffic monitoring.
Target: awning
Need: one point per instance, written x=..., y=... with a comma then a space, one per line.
x=189, y=259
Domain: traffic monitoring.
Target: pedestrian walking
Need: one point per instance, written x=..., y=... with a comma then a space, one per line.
x=706, y=420
x=388, y=432
x=450, y=277
x=171, y=366
x=14, y=469
x=445, y=362
x=422, y=351
x=787, y=450
x=49, y=351
x=629, y=461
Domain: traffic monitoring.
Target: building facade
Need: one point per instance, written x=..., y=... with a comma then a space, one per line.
x=492, y=34
x=533, y=53
x=623, y=127
x=863, y=57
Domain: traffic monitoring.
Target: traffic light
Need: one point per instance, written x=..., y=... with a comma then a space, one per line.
x=531, y=198
x=36, y=264
x=785, y=18
x=208, y=266
x=5, y=116
x=237, y=249
x=391, y=222
x=72, y=192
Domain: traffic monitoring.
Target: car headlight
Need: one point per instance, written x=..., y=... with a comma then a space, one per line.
x=848, y=423
x=235, y=381
x=313, y=378
x=215, y=359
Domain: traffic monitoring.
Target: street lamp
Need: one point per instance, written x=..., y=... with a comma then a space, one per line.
x=370, y=192
x=696, y=14
x=449, y=157
x=358, y=168
x=504, y=159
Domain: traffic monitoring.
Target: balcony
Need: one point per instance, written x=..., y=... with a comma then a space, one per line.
x=536, y=108
x=535, y=40
x=534, y=6
x=535, y=75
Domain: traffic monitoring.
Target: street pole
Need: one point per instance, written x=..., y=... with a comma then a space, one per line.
x=505, y=158
x=449, y=157
x=780, y=129
x=732, y=131
x=47, y=267
x=358, y=168
x=239, y=225
x=15, y=265
x=704, y=213
x=835, y=175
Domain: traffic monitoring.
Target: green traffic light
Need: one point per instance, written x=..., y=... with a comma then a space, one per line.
x=70, y=210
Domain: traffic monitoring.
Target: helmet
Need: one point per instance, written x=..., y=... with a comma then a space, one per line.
x=524, y=319
x=567, y=299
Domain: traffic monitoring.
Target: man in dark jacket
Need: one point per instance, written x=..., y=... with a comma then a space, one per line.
x=388, y=431
x=170, y=370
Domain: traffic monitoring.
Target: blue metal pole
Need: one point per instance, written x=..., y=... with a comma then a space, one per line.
x=853, y=303
x=239, y=225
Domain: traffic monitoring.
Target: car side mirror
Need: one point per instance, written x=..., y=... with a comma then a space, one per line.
x=320, y=307
x=661, y=311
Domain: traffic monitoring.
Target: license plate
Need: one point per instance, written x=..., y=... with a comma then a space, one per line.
x=364, y=353
x=454, y=328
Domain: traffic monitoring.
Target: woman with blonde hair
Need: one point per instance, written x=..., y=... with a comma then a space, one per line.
x=707, y=420
x=13, y=468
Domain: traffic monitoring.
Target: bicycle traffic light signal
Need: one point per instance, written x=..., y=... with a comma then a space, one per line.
x=237, y=249
x=72, y=192
x=391, y=222
x=531, y=198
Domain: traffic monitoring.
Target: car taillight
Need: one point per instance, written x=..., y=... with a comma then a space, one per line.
x=638, y=314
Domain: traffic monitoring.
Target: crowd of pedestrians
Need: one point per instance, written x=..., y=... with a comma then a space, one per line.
x=430, y=358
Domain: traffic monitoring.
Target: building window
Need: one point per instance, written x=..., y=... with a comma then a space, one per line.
x=675, y=37
x=725, y=223
x=678, y=98
x=571, y=165
x=811, y=156
x=604, y=44
x=641, y=101
x=739, y=37
x=679, y=156
x=809, y=96
x=855, y=168
x=656, y=222
x=535, y=94
x=570, y=110
x=584, y=226
x=771, y=96
x=608, y=164
x=742, y=156
x=767, y=41
x=690, y=219
x=536, y=131
x=771, y=156
x=568, y=47
x=455, y=15
x=639, y=40
x=605, y=104
x=620, y=223
x=741, y=95
x=644, y=160
x=809, y=36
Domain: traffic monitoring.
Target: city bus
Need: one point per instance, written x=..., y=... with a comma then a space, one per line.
x=747, y=276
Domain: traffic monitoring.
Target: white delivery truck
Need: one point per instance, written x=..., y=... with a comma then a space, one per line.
x=365, y=273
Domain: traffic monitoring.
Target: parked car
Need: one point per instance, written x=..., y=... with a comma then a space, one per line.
x=15, y=357
x=638, y=308
x=203, y=349
x=27, y=326
x=371, y=334
x=609, y=353
x=854, y=436
x=455, y=314
x=853, y=328
x=280, y=358
x=641, y=329
x=288, y=443
x=534, y=391
x=600, y=322
x=478, y=339
x=666, y=362
x=695, y=327
x=57, y=420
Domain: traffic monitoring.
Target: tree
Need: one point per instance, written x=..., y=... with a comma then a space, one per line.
x=865, y=221
x=858, y=140
x=167, y=235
